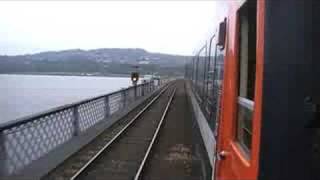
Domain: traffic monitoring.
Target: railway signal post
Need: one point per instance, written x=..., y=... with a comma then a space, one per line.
x=135, y=79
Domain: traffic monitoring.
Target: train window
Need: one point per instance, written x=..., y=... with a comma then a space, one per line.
x=203, y=72
x=247, y=71
x=205, y=76
x=214, y=82
x=210, y=106
x=212, y=51
x=200, y=77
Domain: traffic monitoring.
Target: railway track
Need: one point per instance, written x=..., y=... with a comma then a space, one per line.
x=123, y=152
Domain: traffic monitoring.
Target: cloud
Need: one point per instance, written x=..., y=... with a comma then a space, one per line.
x=160, y=26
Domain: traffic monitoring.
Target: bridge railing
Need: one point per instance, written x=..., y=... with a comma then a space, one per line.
x=25, y=140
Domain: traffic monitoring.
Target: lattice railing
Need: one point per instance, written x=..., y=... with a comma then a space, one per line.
x=26, y=140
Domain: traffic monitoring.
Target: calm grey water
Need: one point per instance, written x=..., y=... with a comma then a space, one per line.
x=23, y=95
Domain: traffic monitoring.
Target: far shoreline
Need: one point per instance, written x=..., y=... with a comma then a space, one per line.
x=67, y=74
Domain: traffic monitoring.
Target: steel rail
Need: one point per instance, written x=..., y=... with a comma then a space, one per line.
x=137, y=176
x=76, y=175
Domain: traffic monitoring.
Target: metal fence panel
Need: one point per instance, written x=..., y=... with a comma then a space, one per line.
x=25, y=141
x=115, y=102
x=30, y=141
x=91, y=113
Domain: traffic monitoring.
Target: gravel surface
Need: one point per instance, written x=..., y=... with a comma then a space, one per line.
x=122, y=159
x=179, y=153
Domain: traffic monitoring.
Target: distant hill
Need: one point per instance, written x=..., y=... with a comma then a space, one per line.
x=98, y=61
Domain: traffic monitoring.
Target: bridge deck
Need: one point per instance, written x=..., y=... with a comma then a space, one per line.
x=178, y=152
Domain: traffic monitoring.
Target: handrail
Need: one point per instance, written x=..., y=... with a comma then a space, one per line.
x=27, y=139
x=30, y=118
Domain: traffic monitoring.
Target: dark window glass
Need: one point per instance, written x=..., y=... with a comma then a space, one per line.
x=201, y=70
x=211, y=69
x=217, y=83
x=214, y=76
x=247, y=71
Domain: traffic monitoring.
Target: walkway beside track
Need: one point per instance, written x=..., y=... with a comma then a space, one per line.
x=177, y=151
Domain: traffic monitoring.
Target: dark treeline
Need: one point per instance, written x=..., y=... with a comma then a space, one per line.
x=101, y=61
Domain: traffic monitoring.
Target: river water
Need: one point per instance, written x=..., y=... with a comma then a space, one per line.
x=24, y=95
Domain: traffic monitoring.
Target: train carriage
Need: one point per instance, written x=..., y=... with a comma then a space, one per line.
x=253, y=79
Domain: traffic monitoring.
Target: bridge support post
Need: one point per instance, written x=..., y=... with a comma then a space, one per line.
x=76, y=123
x=3, y=155
x=124, y=96
x=153, y=86
x=138, y=91
x=135, y=92
x=106, y=101
x=148, y=87
x=142, y=90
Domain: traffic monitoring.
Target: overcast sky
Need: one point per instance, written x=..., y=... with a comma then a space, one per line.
x=157, y=26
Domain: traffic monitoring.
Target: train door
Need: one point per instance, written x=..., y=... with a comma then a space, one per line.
x=238, y=140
